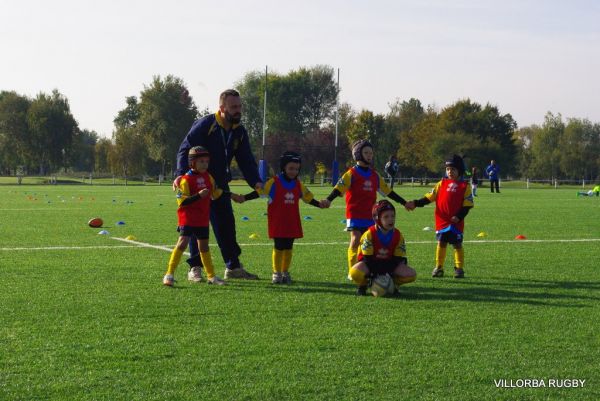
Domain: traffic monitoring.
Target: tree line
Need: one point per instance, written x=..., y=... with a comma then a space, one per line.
x=42, y=136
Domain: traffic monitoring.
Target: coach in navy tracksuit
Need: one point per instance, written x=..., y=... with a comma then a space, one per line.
x=224, y=138
x=493, y=173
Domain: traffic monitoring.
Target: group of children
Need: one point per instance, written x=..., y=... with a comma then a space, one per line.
x=376, y=246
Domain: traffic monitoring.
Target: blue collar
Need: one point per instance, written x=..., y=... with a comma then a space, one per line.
x=286, y=182
x=385, y=238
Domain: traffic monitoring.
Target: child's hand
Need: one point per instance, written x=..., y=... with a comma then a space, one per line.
x=410, y=206
x=203, y=193
x=324, y=203
x=238, y=198
x=176, y=183
x=454, y=219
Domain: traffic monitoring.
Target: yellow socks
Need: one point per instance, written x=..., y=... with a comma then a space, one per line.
x=459, y=257
x=352, y=259
x=277, y=261
x=404, y=280
x=440, y=256
x=286, y=260
x=358, y=276
x=174, y=260
x=209, y=268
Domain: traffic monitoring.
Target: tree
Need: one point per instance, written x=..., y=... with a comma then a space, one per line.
x=14, y=131
x=490, y=133
x=165, y=116
x=579, y=147
x=128, y=153
x=82, y=152
x=545, y=147
x=102, y=152
x=52, y=128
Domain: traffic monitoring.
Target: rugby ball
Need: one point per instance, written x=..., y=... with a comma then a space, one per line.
x=95, y=222
x=382, y=285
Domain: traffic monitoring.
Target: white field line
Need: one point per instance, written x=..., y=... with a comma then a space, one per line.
x=67, y=248
x=169, y=248
x=39, y=209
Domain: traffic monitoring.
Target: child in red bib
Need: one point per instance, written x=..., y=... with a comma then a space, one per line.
x=453, y=200
x=283, y=212
x=196, y=188
x=361, y=184
x=382, y=250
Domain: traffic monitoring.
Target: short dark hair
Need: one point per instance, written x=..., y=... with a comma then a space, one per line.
x=225, y=94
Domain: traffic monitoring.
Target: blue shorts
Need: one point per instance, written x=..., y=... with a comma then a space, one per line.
x=358, y=224
x=449, y=235
x=189, y=231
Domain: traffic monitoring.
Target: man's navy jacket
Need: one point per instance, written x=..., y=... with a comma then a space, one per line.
x=223, y=146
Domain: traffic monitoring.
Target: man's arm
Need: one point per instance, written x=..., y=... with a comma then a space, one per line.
x=246, y=161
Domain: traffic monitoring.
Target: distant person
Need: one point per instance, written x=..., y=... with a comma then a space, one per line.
x=361, y=183
x=453, y=200
x=382, y=251
x=391, y=169
x=592, y=192
x=474, y=180
x=225, y=138
x=493, y=173
x=196, y=189
x=284, y=192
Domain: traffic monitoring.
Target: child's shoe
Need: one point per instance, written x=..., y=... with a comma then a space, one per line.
x=168, y=280
x=277, y=278
x=195, y=274
x=361, y=291
x=438, y=272
x=286, y=278
x=216, y=281
x=459, y=272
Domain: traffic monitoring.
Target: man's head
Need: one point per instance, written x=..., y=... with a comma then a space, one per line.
x=289, y=163
x=198, y=158
x=493, y=162
x=362, y=151
x=230, y=106
x=384, y=214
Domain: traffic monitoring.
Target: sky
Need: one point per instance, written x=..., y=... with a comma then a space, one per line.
x=526, y=57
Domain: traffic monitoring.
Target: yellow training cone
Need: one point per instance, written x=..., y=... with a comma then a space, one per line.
x=482, y=234
x=253, y=236
x=130, y=238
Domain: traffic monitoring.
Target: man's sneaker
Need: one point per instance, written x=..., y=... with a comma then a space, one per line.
x=361, y=291
x=286, y=278
x=216, y=281
x=437, y=272
x=168, y=279
x=240, y=272
x=277, y=277
x=459, y=272
x=195, y=274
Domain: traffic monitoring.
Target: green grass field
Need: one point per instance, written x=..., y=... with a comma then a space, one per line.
x=85, y=316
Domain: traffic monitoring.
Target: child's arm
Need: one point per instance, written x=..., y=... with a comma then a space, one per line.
x=466, y=206
x=342, y=186
x=387, y=191
x=426, y=200
x=184, y=197
x=308, y=196
x=265, y=191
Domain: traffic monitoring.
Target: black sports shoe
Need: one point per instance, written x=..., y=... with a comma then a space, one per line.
x=459, y=272
x=437, y=272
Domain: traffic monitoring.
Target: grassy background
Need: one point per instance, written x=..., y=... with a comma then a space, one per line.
x=84, y=316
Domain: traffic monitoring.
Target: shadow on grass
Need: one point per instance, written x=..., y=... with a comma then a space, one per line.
x=450, y=289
